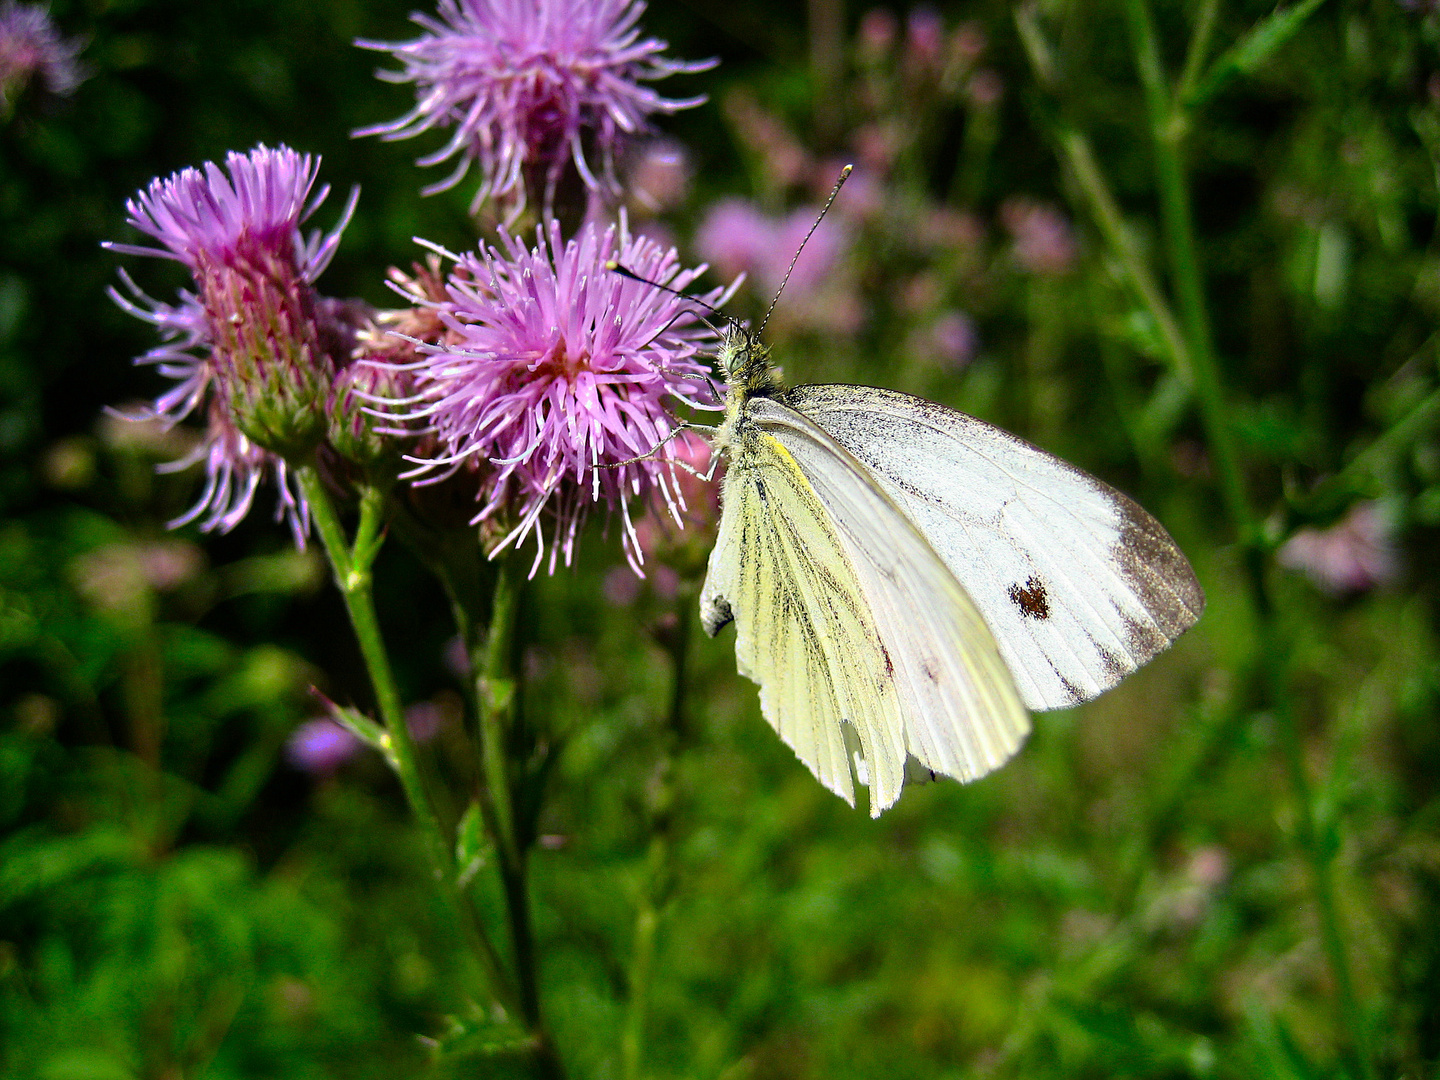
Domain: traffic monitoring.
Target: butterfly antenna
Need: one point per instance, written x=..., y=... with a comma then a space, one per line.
x=625, y=272
x=844, y=175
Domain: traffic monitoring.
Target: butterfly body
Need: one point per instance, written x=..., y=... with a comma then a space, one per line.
x=907, y=580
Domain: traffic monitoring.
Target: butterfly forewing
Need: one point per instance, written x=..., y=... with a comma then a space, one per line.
x=1079, y=585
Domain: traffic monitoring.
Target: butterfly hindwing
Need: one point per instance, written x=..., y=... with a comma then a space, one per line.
x=1079, y=584
x=781, y=573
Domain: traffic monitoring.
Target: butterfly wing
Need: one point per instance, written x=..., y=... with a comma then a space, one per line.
x=1079, y=584
x=845, y=616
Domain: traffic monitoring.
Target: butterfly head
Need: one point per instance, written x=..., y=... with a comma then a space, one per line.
x=744, y=362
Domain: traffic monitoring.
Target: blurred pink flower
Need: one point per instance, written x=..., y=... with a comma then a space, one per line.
x=969, y=42
x=320, y=746
x=530, y=86
x=1355, y=554
x=737, y=237
x=557, y=370
x=950, y=340
x=945, y=227
x=1044, y=243
x=425, y=719
x=924, y=38
x=877, y=33
x=621, y=586
x=780, y=154
x=31, y=51
x=659, y=176
x=985, y=88
x=456, y=657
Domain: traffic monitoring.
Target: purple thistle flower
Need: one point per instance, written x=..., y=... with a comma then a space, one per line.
x=234, y=466
x=530, y=86
x=30, y=49
x=205, y=217
x=182, y=355
x=234, y=470
x=268, y=331
x=554, y=367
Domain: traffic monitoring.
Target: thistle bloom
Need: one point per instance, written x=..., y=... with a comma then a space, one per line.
x=234, y=469
x=255, y=340
x=555, y=371
x=240, y=236
x=530, y=86
x=234, y=466
x=32, y=49
x=183, y=353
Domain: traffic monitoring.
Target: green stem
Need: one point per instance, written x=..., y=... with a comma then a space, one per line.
x=1106, y=213
x=1168, y=128
x=500, y=718
x=496, y=689
x=656, y=882
x=1397, y=438
x=352, y=569
x=1199, y=47
x=1318, y=854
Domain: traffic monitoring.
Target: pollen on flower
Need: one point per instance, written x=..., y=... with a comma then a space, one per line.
x=530, y=87
x=555, y=381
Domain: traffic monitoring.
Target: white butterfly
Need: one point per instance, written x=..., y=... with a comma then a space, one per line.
x=906, y=581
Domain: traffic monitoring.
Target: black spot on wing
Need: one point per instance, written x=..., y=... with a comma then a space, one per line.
x=1031, y=598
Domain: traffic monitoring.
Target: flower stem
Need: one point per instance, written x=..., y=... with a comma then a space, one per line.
x=501, y=734
x=1169, y=122
x=656, y=883
x=353, y=576
x=1168, y=126
x=1318, y=853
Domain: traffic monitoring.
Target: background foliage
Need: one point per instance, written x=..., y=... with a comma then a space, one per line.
x=1229, y=866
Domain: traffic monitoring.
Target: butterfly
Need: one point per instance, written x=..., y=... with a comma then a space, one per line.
x=907, y=582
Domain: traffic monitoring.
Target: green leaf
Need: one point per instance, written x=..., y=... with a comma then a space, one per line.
x=1247, y=54
x=473, y=848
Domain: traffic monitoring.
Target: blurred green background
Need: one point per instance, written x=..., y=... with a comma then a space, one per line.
x=1227, y=867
